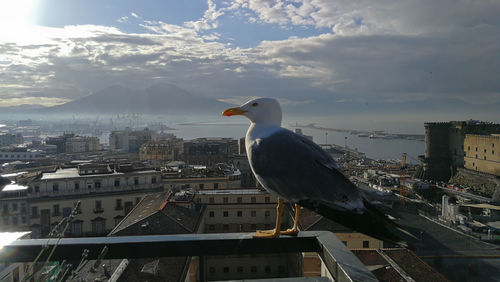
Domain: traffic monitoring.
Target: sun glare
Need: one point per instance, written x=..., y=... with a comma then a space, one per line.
x=16, y=15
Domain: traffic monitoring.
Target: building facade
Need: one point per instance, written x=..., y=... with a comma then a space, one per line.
x=81, y=144
x=106, y=195
x=481, y=153
x=129, y=140
x=209, y=151
x=21, y=154
x=165, y=150
x=444, y=146
x=7, y=139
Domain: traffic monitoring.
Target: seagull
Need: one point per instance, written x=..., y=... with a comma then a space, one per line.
x=296, y=169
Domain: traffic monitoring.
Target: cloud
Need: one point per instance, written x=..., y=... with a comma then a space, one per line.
x=393, y=51
x=44, y=101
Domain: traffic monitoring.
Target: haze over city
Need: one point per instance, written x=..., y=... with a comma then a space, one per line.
x=394, y=62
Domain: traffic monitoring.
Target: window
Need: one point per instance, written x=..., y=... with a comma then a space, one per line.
x=98, y=207
x=225, y=227
x=211, y=227
x=76, y=228
x=225, y=213
x=226, y=269
x=484, y=150
x=55, y=187
x=476, y=149
x=239, y=213
x=137, y=200
x=118, y=219
x=117, y=182
x=267, y=213
x=37, y=188
x=23, y=207
x=267, y=199
x=153, y=180
x=23, y=219
x=225, y=200
x=239, y=200
x=136, y=180
x=253, y=213
x=201, y=186
x=485, y=157
x=34, y=212
x=253, y=269
x=5, y=208
x=14, y=220
x=366, y=244
x=239, y=269
x=77, y=185
x=216, y=185
x=211, y=269
x=99, y=226
x=281, y=269
x=97, y=184
x=492, y=152
x=56, y=211
x=211, y=200
x=14, y=206
x=118, y=205
x=253, y=200
x=267, y=269
x=211, y=214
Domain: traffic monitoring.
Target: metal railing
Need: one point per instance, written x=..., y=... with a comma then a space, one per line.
x=342, y=264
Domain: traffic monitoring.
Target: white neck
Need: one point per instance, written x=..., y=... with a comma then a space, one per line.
x=258, y=131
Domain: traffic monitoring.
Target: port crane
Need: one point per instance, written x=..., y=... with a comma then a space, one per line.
x=402, y=178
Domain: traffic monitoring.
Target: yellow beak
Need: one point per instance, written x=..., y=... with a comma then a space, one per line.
x=233, y=112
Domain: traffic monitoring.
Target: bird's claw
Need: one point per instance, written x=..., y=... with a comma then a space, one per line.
x=290, y=231
x=272, y=233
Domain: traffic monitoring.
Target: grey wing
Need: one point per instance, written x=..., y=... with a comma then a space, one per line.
x=297, y=169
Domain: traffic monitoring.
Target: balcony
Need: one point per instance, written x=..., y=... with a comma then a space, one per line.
x=98, y=210
x=85, y=191
x=341, y=263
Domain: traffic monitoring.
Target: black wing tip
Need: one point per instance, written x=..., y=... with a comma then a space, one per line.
x=372, y=222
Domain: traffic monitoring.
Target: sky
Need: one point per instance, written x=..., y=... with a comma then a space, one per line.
x=302, y=51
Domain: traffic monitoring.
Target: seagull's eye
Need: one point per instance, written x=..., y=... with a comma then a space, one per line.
x=255, y=104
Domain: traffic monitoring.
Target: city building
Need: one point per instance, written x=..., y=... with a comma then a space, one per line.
x=178, y=175
x=106, y=195
x=81, y=144
x=241, y=163
x=59, y=141
x=14, y=207
x=444, y=146
x=21, y=154
x=129, y=140
x=7, y=139
x=209, y=151
x=481, y=153
x=163, y=150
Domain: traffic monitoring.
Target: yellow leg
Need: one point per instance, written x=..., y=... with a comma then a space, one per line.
x=273, y=233
x=294, y=230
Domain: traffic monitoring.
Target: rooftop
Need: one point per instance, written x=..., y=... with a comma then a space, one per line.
x=231, y=192
x=14, y=187
x=63, y=173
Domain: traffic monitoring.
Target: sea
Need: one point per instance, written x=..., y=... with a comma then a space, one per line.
x=385, y=149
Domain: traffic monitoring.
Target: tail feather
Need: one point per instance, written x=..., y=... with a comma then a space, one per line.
x=371, y=222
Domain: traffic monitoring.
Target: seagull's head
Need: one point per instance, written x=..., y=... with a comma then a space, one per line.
x=260, y=110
